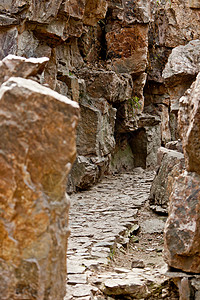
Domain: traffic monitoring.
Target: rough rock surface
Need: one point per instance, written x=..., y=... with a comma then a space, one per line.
x=183, y=62
x=37, y=151
x=189, y=120
x=171, y=164
x=182, y=236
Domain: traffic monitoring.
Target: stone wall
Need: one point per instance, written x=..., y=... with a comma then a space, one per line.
x=37, y=149
x=112, y=58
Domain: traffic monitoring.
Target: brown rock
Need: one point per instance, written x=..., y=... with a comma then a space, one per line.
x=182, y=235
x=189, y=126
x=96, y=130
x=107, y=84
x=43, y=11
x=16, y=66
x=176, y=23
x=37, y=149
x=94, y=10
x=127, y=47
x=74, y=8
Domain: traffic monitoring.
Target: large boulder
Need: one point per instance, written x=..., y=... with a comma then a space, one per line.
x=182, y=234
x=183, y=62
x=170, y=165
x=37, y=149
x=189, y=126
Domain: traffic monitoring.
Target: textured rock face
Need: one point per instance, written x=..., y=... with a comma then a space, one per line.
x=103, y=54
x=14, y=66
x=37, y=151
x=170, y=165
x=189, y=120
x=183, y=63
x=182, y=234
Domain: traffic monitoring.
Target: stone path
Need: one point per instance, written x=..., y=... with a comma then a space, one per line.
x=99, y=219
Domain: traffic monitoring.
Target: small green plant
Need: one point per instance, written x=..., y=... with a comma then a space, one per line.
x=70, y=73
x=134, y=102
x=111, y=254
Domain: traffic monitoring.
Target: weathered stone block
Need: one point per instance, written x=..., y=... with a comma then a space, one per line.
x=37, y=149
x=127, y=47
x=171, y=164
x=14, y=66
x=94, y=11
x=189, y=126
x=96, y=130
x=8, y=42
x=183, y=63
x=107, y=84
x=182, y=234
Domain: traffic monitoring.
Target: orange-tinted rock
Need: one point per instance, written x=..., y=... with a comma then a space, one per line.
x=94, y=11
x=189, y=126
x=127, y=47
x=37, y=149
x=182, y=234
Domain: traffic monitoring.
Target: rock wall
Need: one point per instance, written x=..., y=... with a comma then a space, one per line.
x=37, y=149
x=112, y=58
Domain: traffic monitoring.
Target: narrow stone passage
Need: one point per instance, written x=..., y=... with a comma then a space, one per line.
x=103, y=221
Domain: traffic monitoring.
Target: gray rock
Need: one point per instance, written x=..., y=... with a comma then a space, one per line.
x=153, y=226
x=80, y=290
x=77, y=279
x=171, y=163
x=183, y=62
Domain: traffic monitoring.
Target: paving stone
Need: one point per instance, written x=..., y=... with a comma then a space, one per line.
x=74, y=268
x=77, y=279
x=80, y=290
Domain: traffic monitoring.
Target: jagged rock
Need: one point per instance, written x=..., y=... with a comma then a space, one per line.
x=96, y=129
x=180, y=71
x=74, y=8
x=107, y=84
x=43, y=11
x=127, y=47
x=181, y=235
x=94, y=10
x=175, y=145
x=37, y=151
x=189, y=127
x=138, y=147
x=175, y=23
x=95, y=142
x=17, y=66
x=8, y=42
x=7, y=21
x=183, y=63
x=83, y=175
x=171, y=164
x=137, y=284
